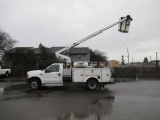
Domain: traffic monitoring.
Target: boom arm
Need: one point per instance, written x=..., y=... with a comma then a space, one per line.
x=127, y=20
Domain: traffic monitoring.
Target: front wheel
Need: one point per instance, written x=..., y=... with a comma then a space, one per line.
x=92, y=84
x=34, y=84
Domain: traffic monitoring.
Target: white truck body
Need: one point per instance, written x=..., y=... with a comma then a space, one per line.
x=5, y=72
x=56, y=75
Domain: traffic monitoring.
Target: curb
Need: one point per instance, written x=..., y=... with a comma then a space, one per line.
x=12, y=79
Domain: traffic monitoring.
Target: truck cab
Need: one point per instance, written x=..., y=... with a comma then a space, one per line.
x=51, y=76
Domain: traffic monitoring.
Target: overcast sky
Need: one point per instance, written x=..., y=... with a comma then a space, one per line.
x=63, y=22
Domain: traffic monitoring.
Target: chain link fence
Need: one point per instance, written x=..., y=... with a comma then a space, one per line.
x=119, y=72
x=136, y=72
x=21, y=71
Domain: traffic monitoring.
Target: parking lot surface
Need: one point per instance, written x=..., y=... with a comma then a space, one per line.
x=136, y=100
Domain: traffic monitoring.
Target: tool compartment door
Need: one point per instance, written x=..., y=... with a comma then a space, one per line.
x=77, y=75
x=106, y=75
x=93, y=73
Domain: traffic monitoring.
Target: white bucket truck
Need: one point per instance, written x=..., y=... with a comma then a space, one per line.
x=58, y=74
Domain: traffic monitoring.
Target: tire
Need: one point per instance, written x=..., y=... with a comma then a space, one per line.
x=35, y=84
x=92, y=84
x=7, y=74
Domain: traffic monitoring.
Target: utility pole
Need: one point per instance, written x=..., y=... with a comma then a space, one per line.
x=123, y=62
x=156, y=56
x=128, y=55
x=156, y=59
x=150, y=58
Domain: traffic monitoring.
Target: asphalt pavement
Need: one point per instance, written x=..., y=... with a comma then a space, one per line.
x=136, y=100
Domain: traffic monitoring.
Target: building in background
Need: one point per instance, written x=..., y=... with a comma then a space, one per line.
x=156, y=62
x=76, y=54
x=140, y=64
x=113, y=63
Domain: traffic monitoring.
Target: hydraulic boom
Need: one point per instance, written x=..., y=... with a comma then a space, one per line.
x=123, y=27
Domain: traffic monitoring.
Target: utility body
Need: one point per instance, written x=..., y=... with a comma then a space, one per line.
x=59, y=74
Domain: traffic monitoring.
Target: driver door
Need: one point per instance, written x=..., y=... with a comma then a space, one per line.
x=52, y=75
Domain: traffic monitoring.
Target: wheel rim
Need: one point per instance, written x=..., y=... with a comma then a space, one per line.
x=92, y=85
x=34, y=85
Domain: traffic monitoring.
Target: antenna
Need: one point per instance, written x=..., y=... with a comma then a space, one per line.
x=150, y=58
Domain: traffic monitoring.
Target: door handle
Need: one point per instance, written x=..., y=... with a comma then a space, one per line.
x=59, y=74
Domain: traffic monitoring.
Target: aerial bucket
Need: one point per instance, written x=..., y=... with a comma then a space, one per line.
x=124, y=25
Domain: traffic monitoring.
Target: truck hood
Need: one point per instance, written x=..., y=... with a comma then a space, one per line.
x=34, y=71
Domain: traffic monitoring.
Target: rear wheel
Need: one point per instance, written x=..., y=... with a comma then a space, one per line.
x=92, y=84
x=35, y=84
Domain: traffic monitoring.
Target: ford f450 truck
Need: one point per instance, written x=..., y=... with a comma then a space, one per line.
x=57, y=75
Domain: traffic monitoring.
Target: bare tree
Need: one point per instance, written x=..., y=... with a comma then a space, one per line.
x=6, y=42
x=98, y=56
x=145, y=60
